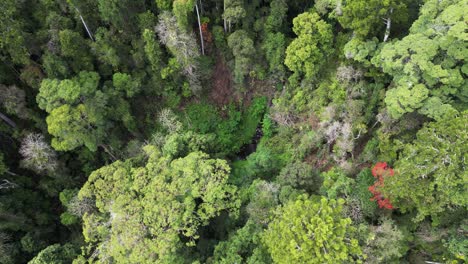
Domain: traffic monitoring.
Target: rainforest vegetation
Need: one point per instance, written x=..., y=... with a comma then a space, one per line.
x=233, y=131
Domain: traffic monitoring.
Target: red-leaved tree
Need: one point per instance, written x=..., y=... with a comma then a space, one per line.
x=380, y=171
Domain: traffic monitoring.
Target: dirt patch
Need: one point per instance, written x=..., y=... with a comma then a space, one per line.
x=222, y=92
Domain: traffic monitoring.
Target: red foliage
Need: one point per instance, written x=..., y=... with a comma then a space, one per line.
x=380, y=171
x=206, y=33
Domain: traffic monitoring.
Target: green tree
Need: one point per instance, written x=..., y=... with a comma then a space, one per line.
x=77, y=111
x=308, y=52
x=73, y=127
x=386, y=244
x=274, y=43
x=182, y=10
x=243, y=246
x=312, y=231
x=336, y=183
x=242, y=47
x=73, y=46
x=146, y=213
x=427, y=65
x=56, y=254
x=12, y=35
x=366, y=18
x=183, y=46
x=233, y=12
x=431, y=172
x=126, y=84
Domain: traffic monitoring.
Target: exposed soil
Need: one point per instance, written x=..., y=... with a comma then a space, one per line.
x=222, y=92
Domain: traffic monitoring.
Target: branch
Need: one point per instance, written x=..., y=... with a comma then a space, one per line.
x=388, y=21
x=8, y=120
x=84, y=23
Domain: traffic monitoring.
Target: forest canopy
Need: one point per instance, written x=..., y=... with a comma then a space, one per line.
x=230, y=131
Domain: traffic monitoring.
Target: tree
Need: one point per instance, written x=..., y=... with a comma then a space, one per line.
x=426, y=66
x=126, y=84
x=182, y=45
x=274, y=43
x=387, y=243
x=73, y=127
x=71, y=44
x=152, y=50
x=264, y=199
x=307, y=53
x=243, y=50
x=243, y=246
x=13, y=99
x=430, y=173
x=312, y=231
x=121, y=13
x=146, y=213
x=56, y=254
x=37, y=154
x=369, y=18
x=336, y=183
x=77, y=111
x=300, y=175
x=12, y=35
x=233, y=12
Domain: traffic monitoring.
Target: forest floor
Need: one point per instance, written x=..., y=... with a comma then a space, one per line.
x=223, y=89
x=222, y=92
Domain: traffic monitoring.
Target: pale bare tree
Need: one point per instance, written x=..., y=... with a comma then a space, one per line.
x=182, y=45
x=169, y=120
x=79, y=206
x=37, y=154
x=13, y=99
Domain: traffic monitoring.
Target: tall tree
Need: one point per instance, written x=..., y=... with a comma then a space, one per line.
x=183, y=46
x=77, y=111
x=431, y=175
x=312, y=231
x=307, y=53
x=242, y=47
x=427, y=67
x=372, y=18
x=145, y=214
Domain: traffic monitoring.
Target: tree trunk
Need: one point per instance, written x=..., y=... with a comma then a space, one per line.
x=389, y=24
x=201, y=32
x=84, y=24
x=7, y=120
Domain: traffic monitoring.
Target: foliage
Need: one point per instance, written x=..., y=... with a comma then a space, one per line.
x=336, y=183
x=290, y=98
x=244, y=246
x=311, y=231
x=243, y=50
x=363, y=180
x=55, y=254
x=300, y=175
x=177, y=197
x=387, y=243
x=365, y=17
x=428, y=76
x=430, y=172
x=381, y=171
x=309, y=50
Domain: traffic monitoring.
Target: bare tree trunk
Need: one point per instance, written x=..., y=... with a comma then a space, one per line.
x=114, y=158
x=8, y=120
x=84, y=24
x=224, y=19
x=388, y=21
x=201, y=32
